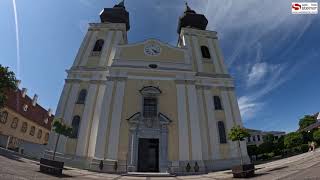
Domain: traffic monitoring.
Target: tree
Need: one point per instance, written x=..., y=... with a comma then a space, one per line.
x=293, y=139
x=61, y=129
x=238, y=134
x=279, y=146
x=8, y=82
x=252, y=150
x=306, y=121
x=316, y=136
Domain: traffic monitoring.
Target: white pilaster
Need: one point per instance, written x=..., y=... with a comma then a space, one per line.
x=95, y=121
x=106, y=47
x=194, y=123
x=188, y=58
x=115, y=121
x=182, y=123
x=117, y=40
x=89, y=48
x=103, y=121
x=229, y=122
x=203, y=125
x=197, y=51
x=212, y=123
x=214, y=58
x=63, y=99
x=85, y=121
x=81, y=51
x=68, y=113
x=220, y=57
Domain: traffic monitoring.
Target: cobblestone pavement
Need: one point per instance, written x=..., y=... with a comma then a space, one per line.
x=304, y=166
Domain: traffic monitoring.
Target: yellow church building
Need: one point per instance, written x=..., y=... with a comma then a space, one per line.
x=149, y=106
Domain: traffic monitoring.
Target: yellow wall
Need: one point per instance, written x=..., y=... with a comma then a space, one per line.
x=6, y=128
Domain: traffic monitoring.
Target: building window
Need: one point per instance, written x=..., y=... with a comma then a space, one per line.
x=46, y=137
x=249, y=139
x=75, y=126
x=24, y=127
x=217, y=103
x=14, y=123
x=253, y=138
x=32, y=130
x=98, y=47
x=222, y=133
x=205, y=52
x=3, y=117
x=39, y=135
x=149, y=107
x=82, y=96
x=258, y=136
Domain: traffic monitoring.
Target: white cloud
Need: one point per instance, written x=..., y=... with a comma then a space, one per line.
x=248, y=107
x=258, y=71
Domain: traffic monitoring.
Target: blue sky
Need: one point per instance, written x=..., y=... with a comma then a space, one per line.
x=272, y=54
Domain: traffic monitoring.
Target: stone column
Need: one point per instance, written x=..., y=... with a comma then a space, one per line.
x=197, y=53
x=220, y=57
x=116, y=120
x=106, y=47
x=163, y=152
x=194, y=122
x=103, y=121
x=81, y=51
x=85, y=122
x=182, y=122
x=89, y=49
x=214, y=57
x=132, y=162
x=95, y=121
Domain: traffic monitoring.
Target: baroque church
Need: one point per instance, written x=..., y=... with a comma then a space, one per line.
x=148, y=106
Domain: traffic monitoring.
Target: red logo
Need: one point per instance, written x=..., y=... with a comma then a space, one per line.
x=296, y=7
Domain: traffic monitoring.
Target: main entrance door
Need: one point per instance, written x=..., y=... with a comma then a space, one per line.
x=148, y=155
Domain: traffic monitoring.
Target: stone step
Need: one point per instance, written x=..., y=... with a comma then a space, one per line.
x=148, y=174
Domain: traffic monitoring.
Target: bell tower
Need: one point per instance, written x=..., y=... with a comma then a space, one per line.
x=97, y=48
x=206, y=56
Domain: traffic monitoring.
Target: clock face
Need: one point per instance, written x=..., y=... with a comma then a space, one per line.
x=152, y=50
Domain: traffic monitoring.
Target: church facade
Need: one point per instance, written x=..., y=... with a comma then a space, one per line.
x=149, y=106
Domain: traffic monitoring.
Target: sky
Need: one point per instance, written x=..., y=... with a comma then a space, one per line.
x=273, y=55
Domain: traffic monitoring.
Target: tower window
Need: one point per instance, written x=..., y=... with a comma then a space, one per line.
x=149, y=107
x=32, y=130
x=75, y=126
x=217, y=103
x=98, y=45
x=3, y=117
x=39, y=135
x=222, y=133
x=82, y=96
x=205, y=52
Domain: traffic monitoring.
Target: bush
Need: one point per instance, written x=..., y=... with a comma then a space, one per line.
x=293, y=140
x=316, y=135
x=304, y=148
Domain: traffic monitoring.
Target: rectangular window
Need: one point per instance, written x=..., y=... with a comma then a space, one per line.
x=254, y=138
x=217, y=103
x=258, y=136
x=249, y=138
x=149, y=107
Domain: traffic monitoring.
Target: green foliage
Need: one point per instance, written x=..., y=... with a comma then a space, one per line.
x=316, y=136
x=293, y=139
x=306, y=121
x=279, y=146
x=61, y=128
x=238, y=133
x=252, y=150
x=8, y=82
x=268, y=138
x=267, y=147
x=304, y=148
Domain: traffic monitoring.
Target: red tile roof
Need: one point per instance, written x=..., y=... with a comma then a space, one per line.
x=35, y=113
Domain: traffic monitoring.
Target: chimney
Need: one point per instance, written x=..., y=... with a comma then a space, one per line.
x=34, y=100
x=24, y=92
x=49, y=112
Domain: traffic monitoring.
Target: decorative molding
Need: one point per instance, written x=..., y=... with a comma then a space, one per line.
x=114, y=78
x=197, y=32
x=73, y=80
x=178, y=81
x=202, y=74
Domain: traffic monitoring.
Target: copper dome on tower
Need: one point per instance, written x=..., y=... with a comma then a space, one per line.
x=191, y=19
x=117, y=14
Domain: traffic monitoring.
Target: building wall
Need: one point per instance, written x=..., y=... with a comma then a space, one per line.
x=6, y=129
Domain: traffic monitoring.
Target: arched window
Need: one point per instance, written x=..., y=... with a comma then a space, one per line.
x=3, y=117
x=24, y=127
x=150, y=101
x=98, y=46
x=14, y=123
x=39, y=135
x=82, y=96
x=75, y=126
x=222, y=133
x=46, y=137
x=32, y=130
x=205, y=52
x=217, y=103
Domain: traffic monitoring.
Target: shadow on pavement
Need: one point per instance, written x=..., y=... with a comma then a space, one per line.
x=12, y=157
x=61, y=176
